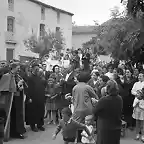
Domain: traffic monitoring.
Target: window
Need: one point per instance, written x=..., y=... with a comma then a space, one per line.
x=42, y=29
x=10, y=24
x=42, y=13
x=9, y=54
x=11, y=5
x=58, y=17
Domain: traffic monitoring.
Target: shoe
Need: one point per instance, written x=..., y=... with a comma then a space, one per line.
x=34, y=129
x=41, y=128
x=18, y=136
x=137, y=137
x=21, y=136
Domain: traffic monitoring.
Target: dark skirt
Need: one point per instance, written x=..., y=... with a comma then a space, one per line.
x=108, y=136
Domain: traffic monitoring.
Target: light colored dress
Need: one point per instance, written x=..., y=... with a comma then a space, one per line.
x=85, y=138
x=138, y=112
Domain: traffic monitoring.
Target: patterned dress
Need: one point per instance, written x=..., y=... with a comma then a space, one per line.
x=138, y=112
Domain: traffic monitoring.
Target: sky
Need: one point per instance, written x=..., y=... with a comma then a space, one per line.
x=86, y=11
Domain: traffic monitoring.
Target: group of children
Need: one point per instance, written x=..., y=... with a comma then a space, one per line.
x=69, y=128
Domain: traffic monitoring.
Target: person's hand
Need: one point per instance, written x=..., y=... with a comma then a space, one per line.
x=94, y=100
x=54, y=137
x=30, y=100
x=20, y=83
x=67, y=96
x=21, y=88
x=47, y=95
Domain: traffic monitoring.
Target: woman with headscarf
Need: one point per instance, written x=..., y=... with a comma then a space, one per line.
x=82, y=95
x=108, y=111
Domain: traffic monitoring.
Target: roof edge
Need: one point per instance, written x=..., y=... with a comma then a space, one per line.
x=51, y=7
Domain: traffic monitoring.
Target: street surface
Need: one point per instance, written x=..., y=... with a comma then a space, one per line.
x=45, y=137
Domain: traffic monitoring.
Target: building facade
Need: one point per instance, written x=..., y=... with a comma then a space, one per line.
x=21, y=18
x=82, y=34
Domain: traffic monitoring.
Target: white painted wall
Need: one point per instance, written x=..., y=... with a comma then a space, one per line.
x=79, y=39
x=27, y=17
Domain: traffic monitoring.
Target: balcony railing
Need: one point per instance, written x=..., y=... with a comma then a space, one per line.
x=10, y=37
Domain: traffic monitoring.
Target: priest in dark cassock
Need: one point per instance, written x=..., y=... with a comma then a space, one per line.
x=17, y=128
x=35, y=101
x=9, y=83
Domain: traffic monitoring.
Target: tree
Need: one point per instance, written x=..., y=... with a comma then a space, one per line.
x=115, y=12
x=50, y=41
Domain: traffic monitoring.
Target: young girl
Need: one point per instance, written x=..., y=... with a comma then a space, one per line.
x=85, y=138
x=138, y=114
x=51, y=107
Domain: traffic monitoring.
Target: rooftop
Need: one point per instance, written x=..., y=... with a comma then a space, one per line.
x=51, y=7
x=83, y=30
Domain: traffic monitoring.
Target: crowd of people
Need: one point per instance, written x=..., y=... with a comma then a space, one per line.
x=76, y=97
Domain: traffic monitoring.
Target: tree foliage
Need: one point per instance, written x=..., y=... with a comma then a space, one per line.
x=50, y=41
x=122, y=36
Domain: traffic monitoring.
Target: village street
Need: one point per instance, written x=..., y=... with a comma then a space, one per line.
x=45, y=138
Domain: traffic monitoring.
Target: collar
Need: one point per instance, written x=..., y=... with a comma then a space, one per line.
x=69, y=121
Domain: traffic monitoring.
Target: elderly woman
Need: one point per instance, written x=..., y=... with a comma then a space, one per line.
x=108, y=111
x=83, y=95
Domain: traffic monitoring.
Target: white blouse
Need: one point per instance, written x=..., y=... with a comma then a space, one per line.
x=136, y=87
x=141, y=103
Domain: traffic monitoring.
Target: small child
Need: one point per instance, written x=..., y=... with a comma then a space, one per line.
x=85, y=138
x=69, y=127
x=138, y=114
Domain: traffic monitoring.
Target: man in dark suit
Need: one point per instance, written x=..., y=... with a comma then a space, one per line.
x=46, y=73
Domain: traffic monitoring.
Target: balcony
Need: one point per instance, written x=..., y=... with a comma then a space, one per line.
x=10, y=37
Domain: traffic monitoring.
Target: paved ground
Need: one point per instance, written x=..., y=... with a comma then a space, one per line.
x=45, y=138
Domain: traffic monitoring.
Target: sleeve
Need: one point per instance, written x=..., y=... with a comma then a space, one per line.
x=82, y=127
x=99, y=107
x=103, y=91
x=135, y=102
x=59, y=127
x=134, y=89
x=92, y=93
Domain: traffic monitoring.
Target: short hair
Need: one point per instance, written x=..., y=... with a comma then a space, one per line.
x=84, y=77
x=104, y=78
x=67, y=111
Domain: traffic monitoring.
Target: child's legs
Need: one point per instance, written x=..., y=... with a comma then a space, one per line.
x=138, y=126
x=142, y=127
x=54, y=115
x=49, y=115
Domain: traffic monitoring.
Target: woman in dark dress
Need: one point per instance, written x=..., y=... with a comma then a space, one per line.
x=108, y=111
x=127, y=84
